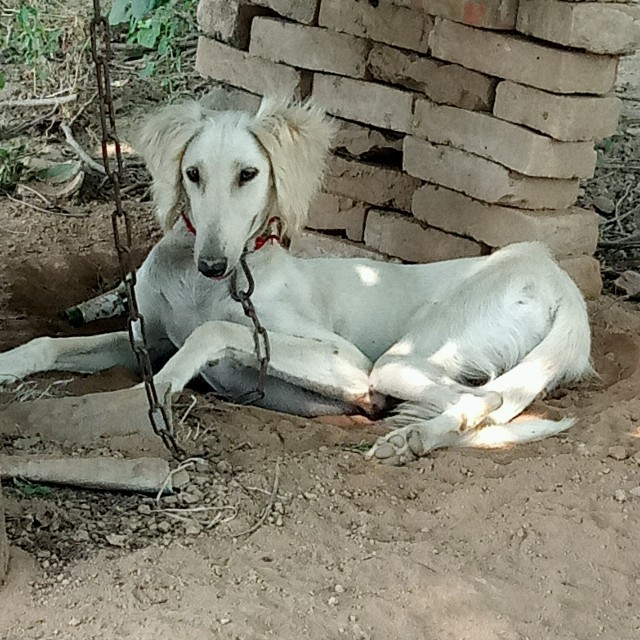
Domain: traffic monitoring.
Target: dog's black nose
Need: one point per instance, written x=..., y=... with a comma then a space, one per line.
x=212, y=268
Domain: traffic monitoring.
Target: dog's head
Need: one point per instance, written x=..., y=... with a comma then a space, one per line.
x=234, y=171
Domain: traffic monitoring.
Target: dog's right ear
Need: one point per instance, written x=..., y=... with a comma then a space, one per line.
x=162, y=142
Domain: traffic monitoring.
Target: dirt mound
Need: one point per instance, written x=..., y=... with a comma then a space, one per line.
x=537, y=542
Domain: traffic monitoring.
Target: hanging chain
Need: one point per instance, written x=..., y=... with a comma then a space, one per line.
x=260, y=336
x=101, y=54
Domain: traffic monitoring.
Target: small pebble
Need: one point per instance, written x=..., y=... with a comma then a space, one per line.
x=635, y=492
x=223, y=467
x=145, y=509
x=164, y=527
x=74, y=622
x=617, y=453
x=604, y=204
x=190, y=498
x=192, y=528
x=620, y=495
x=338, y=588
x=333, y=601
x=116, y=540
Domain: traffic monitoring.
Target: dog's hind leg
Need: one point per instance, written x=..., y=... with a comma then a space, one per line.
x=438, y=410
x=79, y=354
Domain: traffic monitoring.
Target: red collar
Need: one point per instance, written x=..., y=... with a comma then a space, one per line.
x=273, y=232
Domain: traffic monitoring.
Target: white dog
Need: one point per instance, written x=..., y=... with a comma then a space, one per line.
x=465, y=344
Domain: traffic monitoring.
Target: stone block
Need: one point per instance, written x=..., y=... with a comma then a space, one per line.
x=561, y=117
x=369, y=183
x=311, y=244
x=508, y=144
x=585, y=272
x=567, y=232
x=516, y=58
x=309, y=47
x=483, y=179
x=596, y=27
x=404, y=237
x=487, y=14
x=442, y=82
x=333, y=212
x=240, y=69
x=382, y=22
x=368, y=102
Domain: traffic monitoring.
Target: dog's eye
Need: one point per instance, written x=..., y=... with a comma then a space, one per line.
x=247, y=175
x=193, y=174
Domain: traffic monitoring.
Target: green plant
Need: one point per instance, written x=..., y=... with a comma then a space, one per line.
x=29, y=40
x=157, y=26
x=11, y=166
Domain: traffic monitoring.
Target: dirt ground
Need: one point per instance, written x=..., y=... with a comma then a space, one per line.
x=535, y=542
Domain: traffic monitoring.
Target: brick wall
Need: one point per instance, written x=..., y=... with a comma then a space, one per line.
x=465, y=125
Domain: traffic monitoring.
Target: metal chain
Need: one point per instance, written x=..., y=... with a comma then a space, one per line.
x=260, y=336
x=101, y=54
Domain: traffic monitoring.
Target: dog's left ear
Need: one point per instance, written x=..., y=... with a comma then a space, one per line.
x=297, y=138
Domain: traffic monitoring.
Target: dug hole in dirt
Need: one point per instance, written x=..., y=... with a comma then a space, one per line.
x=539, y=541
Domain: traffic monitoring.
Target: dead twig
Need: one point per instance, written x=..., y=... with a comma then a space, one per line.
x=82, y=154
x=53, y=209
x=268, y=508
x=40, y=102
x=83, y=108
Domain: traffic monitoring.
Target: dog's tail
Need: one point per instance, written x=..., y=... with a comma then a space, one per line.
x=563, y=355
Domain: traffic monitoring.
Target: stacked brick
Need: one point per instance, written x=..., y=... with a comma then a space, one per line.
x=467, y=125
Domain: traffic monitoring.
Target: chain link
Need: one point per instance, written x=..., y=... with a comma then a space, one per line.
x=260, y=336
x=121, y=223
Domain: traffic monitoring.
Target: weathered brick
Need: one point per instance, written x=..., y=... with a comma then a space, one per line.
x=309, y=47
x=330, y=212
x=483, y=179
x=240, y=69
x=585, y=272
x=357, y=140
x=515, y=58
x=488, y=14
x=403, y=236
x=508, y=144
x=223, y=97
x=311, y=244
x=567, y=232
x=298, y=10
x=370, y=183
x=222, y=20
x=599, y=28
x=442, y=82
x=384, y=22
x=562, y=117
x=362, y=101
x=230, y=20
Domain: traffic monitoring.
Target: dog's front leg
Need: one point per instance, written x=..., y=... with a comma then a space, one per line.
x=85, y=354
x=330, y=366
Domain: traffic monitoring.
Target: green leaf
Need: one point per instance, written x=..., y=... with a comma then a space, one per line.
x=59, y=173
x=148, y=35
x=30, y=489
x=124, y=10
x=2, y=81
x=149, y=70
